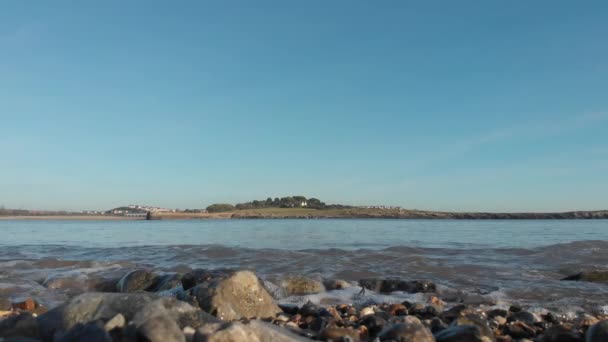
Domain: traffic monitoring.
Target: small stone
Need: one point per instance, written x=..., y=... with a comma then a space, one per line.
x=339, y=334
x=412, y=330
x=366, y=311
x=188, y=331
x=497, y=312
x=598, y=332
x=520, y=330
x=27, y=304
x=500, y=320
x=523, y=316
x=116, y=322
x=462, y=333
x=397, y=310
x=374, y=324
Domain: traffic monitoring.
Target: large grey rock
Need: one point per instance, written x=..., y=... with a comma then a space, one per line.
x=598, y=332
x=138, y=280
x=184, y=314
x=160, y=329
x=89, y=307
x=391, y=285
x=234, y=296
x=255, y=331
x=412, y=330
x=23, y=325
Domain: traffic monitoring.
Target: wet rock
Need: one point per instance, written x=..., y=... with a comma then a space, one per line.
x=562, y=333
x=452, y=313
x=138, y=280
x=335, y=284
x=239, y=295
x=412, y=330
x=475, y=319
x=520, y=330
x=90, y=332
x=167, y=282
x=584, y=321
x=336, y=334
x=374, y=324
x=291, y=309
x=89, y=307
x=497, y=312
x=301, y=286
x=309, y=309
x=392, y=285
x=523, y=316
x=590, y=276
x=598, y=332
x=462, y=333
x=183, y=313
x=367, y=311
x=199, y=276
x=477, y=299
x=22, y=325
x=160, y=329
x=397, y=310
x=255, y=331
x=437, y=325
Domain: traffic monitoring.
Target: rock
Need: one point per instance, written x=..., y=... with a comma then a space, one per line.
x=590, y=276
x=397, y=310
x=335, y=284
x=27, y=304
x=168, y=282
x=199, y=276
x=116, y=322
x=138, y=280
x=22, y=325
x=238, y=295
x=475, y=319
x=374, y=324
x=301, y=286
x=160, y=329
x=411, y=330
x=309, y=309
x=497, y=312
x=523, y=316
x=90, y=332
x=562, y=333
x=5, y=304
x=255, y=331
x=392, y=285
x=184, y=314
x=598, y=332
x=89, y=307
x=462, y=333
x=336, y=334
x=367, y=311
x=520, y=330
x=584, y=321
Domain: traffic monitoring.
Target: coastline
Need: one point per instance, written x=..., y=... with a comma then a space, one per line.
x=348, y=213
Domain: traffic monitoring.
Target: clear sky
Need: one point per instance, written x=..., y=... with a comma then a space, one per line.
x=449, y=105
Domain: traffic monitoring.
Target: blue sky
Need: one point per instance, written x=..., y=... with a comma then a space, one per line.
x=448, y=105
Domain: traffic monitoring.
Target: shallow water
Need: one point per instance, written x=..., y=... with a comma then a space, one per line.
x=513, y=261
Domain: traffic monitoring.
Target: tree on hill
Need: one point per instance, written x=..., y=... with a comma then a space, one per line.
x=220, y=207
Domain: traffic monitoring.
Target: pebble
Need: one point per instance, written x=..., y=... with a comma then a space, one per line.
x=366, y=311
